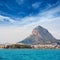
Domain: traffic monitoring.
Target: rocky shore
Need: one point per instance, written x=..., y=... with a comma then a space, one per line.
x=19, y=46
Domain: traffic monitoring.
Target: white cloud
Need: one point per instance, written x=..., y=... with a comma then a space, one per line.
x=9, y=7
x=2, y=19
x=36, y=5
x=51, y=11
x=20, y=1
x=42, y=17
x=13, y=35
x=46, y=16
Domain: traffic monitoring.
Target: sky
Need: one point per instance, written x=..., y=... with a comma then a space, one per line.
x=19, y=17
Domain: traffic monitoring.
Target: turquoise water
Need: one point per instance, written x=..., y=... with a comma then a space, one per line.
x=29, y=54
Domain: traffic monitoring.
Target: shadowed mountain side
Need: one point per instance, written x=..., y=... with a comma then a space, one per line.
x=39, y=35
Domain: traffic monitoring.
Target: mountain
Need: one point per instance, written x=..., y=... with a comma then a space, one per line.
x=58, y=42
x=39, y=35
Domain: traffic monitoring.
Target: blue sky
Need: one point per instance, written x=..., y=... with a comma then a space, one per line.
x=19, y=17
x=23, y=8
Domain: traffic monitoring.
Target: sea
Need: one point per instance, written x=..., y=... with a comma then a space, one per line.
x=29, y=54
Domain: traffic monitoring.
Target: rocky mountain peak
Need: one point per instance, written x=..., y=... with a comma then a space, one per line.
x=39, y=35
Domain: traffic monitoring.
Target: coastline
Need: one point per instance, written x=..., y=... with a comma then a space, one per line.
x=23, y=46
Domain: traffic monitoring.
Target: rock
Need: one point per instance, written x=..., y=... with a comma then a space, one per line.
x=39, y=35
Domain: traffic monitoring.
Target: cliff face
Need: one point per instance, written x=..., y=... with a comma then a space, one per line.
x=39, y=35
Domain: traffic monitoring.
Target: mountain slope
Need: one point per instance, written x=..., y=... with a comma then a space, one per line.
x=39, y=36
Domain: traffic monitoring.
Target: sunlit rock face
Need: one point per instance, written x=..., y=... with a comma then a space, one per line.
x=39, y=35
